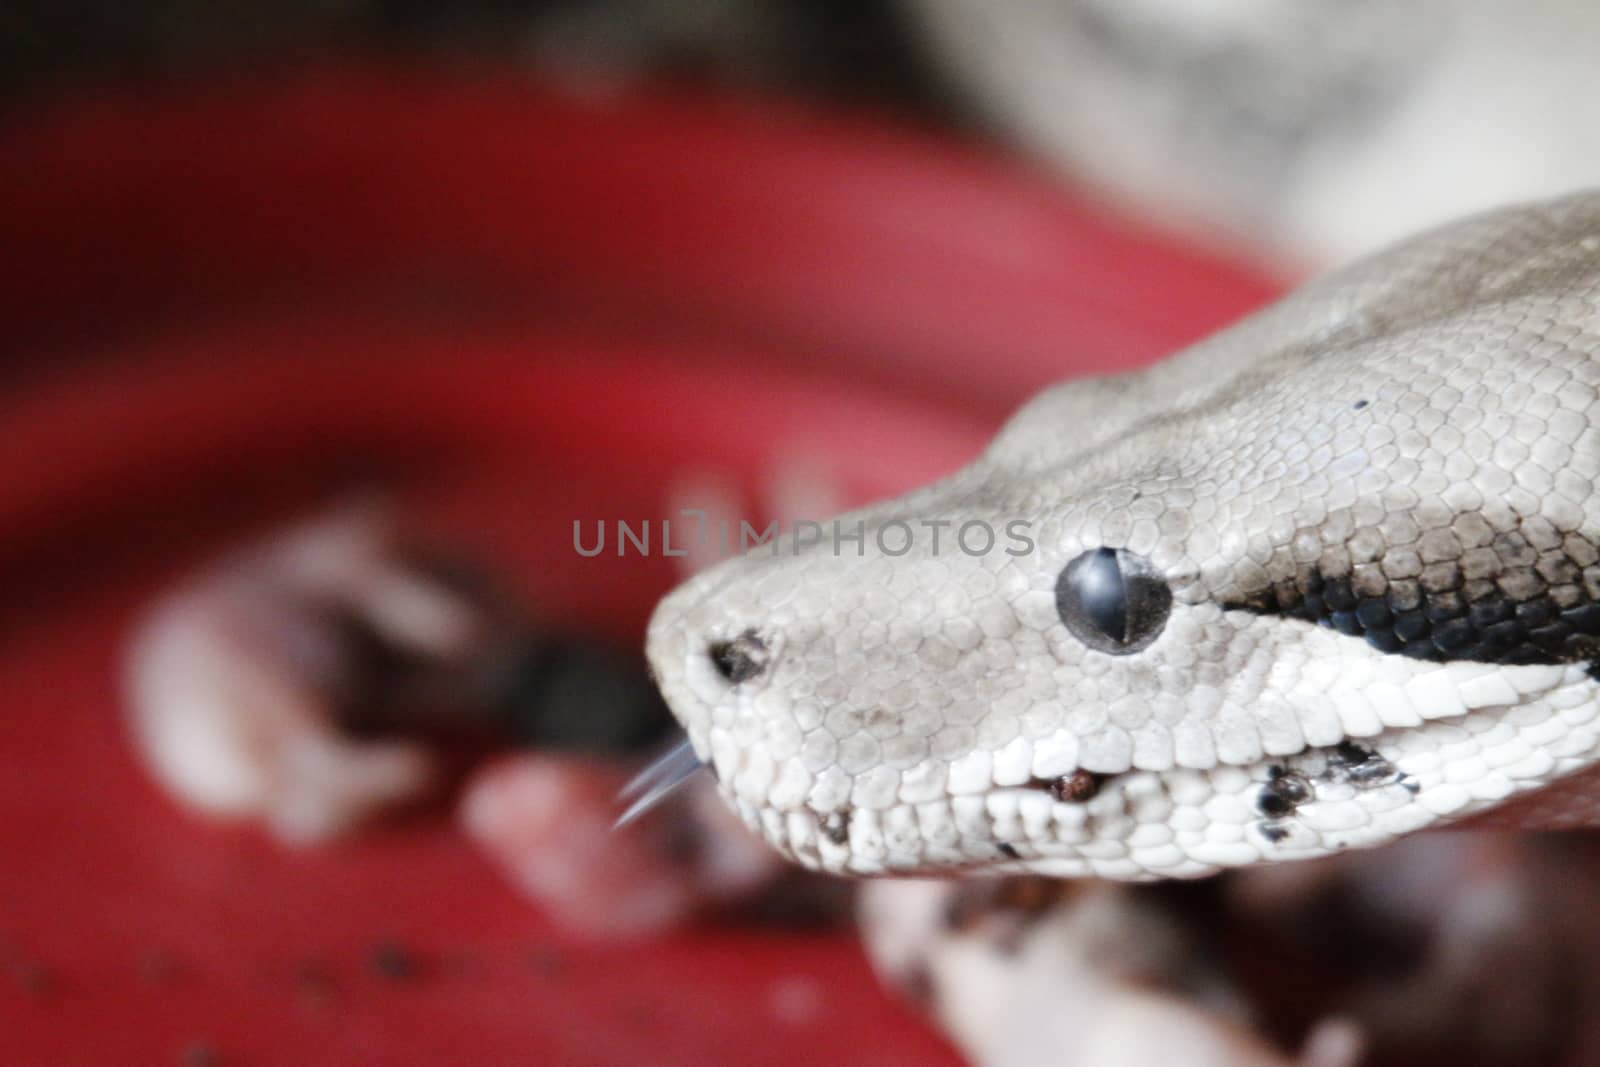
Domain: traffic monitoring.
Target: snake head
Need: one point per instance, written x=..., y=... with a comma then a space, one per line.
x=1322, y=580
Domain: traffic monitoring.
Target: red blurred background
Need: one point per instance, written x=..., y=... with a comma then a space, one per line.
x=229, y=299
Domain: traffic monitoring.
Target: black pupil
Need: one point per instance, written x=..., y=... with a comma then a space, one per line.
x=1113, y=600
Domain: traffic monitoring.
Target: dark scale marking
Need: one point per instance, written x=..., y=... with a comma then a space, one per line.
x=1074, y=788
x=1292, y=784
x=1282, y=794
x=1526, y=596
x=836, y=827
x=1411, y=626
x=1374, y=614
x=1535, y=613
x=1008, y=850
x=1362, y=767
x=1405, y=598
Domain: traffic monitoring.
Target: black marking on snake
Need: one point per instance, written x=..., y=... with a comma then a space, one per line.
x=1075, y=788
x=1522, y=593
x=836, y=827
x=1293, y=783
x=1362, y=767
x=1008, y=850
x=1283, y=793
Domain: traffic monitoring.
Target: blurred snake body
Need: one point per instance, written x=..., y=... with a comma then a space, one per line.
x=1327, y=578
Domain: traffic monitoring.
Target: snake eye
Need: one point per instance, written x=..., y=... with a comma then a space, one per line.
x=1113, y=600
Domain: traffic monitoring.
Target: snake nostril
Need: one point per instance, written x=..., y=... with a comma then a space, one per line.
x=741, y=659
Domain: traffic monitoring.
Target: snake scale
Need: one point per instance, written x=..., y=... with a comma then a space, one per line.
x=1327, y=578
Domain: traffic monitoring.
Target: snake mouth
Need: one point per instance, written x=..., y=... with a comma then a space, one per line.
x=1180, y=823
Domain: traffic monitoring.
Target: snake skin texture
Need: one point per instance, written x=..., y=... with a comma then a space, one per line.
x=1322, y=580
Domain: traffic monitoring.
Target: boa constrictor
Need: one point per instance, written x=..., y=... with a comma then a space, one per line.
x=1327, y=578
